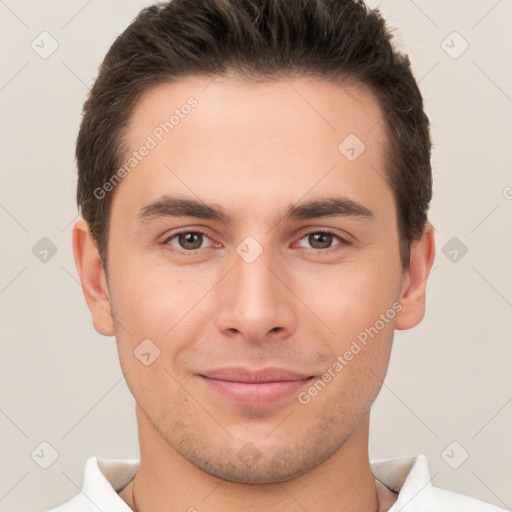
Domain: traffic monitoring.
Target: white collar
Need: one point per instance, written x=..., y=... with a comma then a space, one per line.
x=409, y=477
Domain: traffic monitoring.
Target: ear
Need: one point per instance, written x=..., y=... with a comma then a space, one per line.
x=93, y=279
x=414, y=280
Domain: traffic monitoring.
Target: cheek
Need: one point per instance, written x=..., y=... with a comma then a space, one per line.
x=164, y=305
x=149, y=299
x=358, y=303
x=149, y=332
x=349, y=298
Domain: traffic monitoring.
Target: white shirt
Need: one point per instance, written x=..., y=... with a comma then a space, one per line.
x=409, y=477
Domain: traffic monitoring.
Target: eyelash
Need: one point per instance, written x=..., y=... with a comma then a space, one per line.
x=333, y=248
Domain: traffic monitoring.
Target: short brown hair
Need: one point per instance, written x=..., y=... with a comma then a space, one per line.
x=337, y=40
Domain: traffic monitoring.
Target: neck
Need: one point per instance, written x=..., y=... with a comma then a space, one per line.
x=167, y=481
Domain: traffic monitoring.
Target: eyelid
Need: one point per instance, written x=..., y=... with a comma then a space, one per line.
x=169, y=236
x=343, y=240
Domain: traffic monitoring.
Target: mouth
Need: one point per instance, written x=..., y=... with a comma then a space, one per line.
x=254, y=387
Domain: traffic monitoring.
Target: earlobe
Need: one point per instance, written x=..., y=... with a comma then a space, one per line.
x=412, y=296
x=92, y=276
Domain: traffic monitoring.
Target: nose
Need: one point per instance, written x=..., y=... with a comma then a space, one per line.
x=255, y=301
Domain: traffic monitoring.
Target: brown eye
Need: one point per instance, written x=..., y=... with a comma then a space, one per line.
x=187, y=240
x=190, y=240
x=320, y=240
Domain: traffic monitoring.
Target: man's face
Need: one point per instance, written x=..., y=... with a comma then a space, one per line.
x=264, y=289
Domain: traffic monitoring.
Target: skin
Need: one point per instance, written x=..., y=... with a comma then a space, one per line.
x=255, y=149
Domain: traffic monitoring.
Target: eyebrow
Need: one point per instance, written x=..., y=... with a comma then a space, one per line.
x=168, y=206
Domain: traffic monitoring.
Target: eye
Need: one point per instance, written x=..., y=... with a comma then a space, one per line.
x=187, y=240
x=321, y=240
x=192, y=241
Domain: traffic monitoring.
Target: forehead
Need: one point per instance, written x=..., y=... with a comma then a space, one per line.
x=227, y=137
x=258, y=106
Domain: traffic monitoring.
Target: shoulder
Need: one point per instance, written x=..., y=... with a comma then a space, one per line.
x=446, y=500
x=103, y=478
x=410, y=479
x=77, y=504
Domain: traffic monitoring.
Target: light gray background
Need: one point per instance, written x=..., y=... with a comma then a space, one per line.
x=449, y=379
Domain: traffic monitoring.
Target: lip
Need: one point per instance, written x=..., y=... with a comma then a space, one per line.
x=254, y=387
